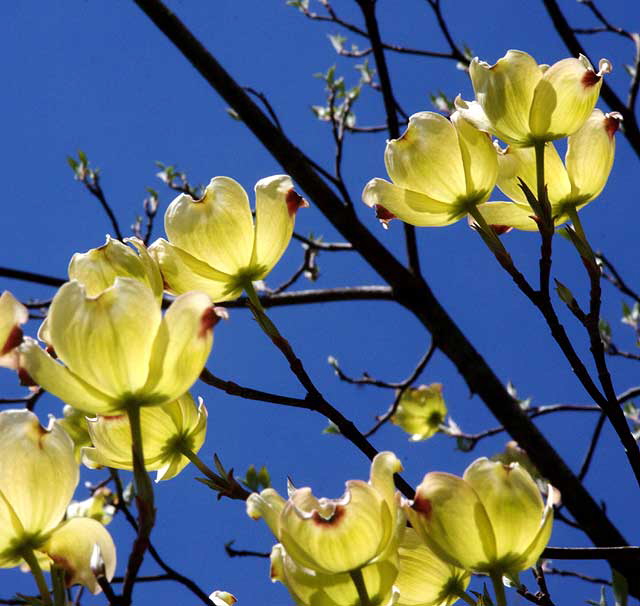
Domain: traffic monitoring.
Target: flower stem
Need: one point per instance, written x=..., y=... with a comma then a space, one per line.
x=199, y=463
x=358, y=581
x=145, y=503
x=144, y=487
x=258, y=311
x=540, y=193
x=32, y=561
x=498, y=588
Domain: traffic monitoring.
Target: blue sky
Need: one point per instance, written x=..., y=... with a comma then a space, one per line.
x=98, y=76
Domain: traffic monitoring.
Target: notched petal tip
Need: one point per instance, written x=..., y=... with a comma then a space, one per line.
x=612, y=122
x=294, y=202
x=210, y=317
x=333, y=519
x=25, y=378
x=383, y=215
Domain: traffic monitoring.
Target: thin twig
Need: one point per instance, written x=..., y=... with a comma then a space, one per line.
x=30, y=276
x=616, y=279
x=576, y=575
x=266, y=104
x=243, y=553
x=584, y=468
x=348, y=293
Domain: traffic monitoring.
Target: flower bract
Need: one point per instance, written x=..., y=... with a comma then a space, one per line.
x=439, y=168
x=491, y=520
x=12, y=315
x=166, y=431
x=571, y=185
x=523, y=103
x=332, y=536
x=117, y=349
x=214, y=245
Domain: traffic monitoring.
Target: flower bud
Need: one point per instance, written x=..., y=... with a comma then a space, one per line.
x=167, y=430
x=214, y=246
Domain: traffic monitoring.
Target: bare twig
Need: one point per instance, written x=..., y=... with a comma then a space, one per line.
x=584, y=468
x=615, y=278
x=243, y=553
x=576, y=575
x=29, y=276
x=267, y=105
x=403, y=386
x=348, y=293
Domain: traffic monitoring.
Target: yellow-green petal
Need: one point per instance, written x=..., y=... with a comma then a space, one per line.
x=564, y=98
x=12, y=315
x=427, y=158
x=268, y=505
x=98, y=268
x=391, y=201
x=424, y=579
x=182, y=347
x=276, y=207
x=106, y=340
x=309, y=587
x=41, y=368
x=519, y=163
x=508, y=214
x=217, y=229
x=479, y=159
x=182, y=272
x=336, y=535
x=71, y=545
x=451, y=520
x=590, y=153
x=505, y=92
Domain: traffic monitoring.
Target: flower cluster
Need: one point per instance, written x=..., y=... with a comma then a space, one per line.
x=337, y=551
x=443, y=169
x=124, y=368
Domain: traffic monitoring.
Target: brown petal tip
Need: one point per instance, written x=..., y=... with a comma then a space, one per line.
x=295, y=201
x=383, y=215
x=612, y=123
x=13, y=340
x=422, y=505
x=590, y=78
x=332, y=520
x=498, y=230
x=25, y=378
x=208, y=320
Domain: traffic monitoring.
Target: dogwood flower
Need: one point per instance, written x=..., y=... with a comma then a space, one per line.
x=117, y=349
x=332, y=536
x=167, y=430
x=492, y=520
x=38, y=475
x=570, y=186
x=421, y=411
x=522, y=102
x=440, y=168
x=214, y=246
x=310, y=587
